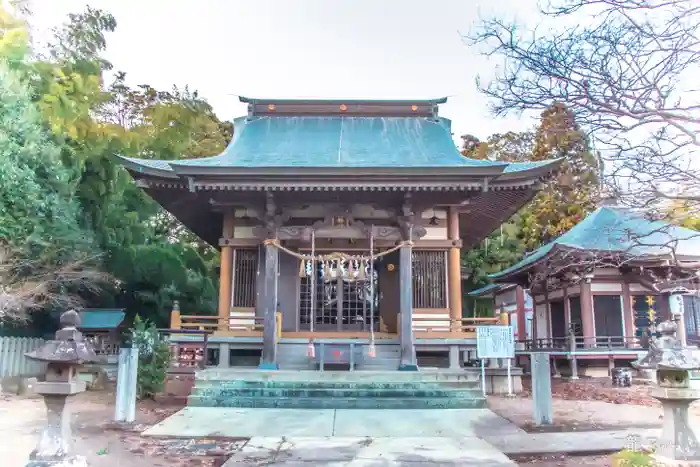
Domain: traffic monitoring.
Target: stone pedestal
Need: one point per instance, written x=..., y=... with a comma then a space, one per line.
x=677, y=441
x=54, y=444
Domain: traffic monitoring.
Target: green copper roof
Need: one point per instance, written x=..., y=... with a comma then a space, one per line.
x=334, y=142
x=373, y=135
x=491, y=288
x=617, y=230
x=100, y=318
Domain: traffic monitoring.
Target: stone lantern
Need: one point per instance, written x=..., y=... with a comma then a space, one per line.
x=672, y=363
x=63, y=355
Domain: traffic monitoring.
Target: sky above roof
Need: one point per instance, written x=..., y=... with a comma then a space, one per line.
x=305, y=49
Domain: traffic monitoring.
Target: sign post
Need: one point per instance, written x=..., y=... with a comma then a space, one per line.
x=495, y=342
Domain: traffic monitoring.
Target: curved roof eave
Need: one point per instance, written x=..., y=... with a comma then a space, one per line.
x=155, y=168
x=526, y=263
x=518, y=170
x=437, y=100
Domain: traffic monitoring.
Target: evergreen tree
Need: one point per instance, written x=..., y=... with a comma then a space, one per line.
x=566, y=200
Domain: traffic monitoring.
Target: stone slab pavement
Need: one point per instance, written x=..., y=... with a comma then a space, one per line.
x=368, y=452
x=582, y=442
x=291, y=423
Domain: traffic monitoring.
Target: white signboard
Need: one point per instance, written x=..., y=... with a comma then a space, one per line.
x=495, y=342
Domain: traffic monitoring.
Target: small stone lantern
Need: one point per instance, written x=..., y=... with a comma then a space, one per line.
x=672, y=363
x=63, y=355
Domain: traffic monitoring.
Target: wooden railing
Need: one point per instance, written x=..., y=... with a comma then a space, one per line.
x=578, y=343
x=223, y=326
x=447, y=327
x=423, y=327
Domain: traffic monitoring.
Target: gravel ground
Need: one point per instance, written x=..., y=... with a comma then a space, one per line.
x=21, y=421
x=578, y=406
x=584, y=405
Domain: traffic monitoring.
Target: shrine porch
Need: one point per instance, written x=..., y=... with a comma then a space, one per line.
x=293, y=352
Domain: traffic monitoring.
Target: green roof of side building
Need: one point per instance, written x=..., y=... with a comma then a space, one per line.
x=263, y=140
x=490, y=289
x=617, y=231
x=101, y=318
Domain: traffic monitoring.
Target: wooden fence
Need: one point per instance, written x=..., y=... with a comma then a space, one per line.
x=12, y=359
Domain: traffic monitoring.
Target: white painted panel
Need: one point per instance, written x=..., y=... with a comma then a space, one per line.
x=437, y=212
x=243, y=232
x=556, y=294
x=435, y=233
x=605, y=287
x=241, y=319
x=574, y=289
x=441, y=321
x=638, y=288
x=606, y=272
x=542, y=330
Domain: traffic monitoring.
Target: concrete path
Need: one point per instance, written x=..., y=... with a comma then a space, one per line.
x=583, y=442
x=368, y=452
x=358, y=438
x=231, y=422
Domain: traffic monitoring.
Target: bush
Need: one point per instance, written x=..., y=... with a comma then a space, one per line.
x=154, y=359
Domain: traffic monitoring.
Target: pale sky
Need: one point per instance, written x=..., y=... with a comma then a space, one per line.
x=305, y=49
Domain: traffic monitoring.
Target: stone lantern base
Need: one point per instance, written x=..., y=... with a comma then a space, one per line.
x=74, y=461
x=678, y=444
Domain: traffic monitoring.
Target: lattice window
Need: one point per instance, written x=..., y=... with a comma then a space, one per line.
x=342, y=301
x=429, y=279
x=245, y=273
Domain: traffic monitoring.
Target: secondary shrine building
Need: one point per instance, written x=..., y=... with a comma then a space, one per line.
x=339, y=222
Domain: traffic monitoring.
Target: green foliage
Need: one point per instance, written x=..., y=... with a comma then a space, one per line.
x=629, y=458
x=60, y=127
x=154, y=359
x=566, y=201
x=556, y=209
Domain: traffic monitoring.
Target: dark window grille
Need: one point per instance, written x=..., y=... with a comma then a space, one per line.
x=340, y=304
x=691, y=305
x=429, y=279
x=245, y=273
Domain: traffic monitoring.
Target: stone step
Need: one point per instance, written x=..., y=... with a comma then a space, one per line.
x=336, y=393
x=347, y=385
x=338, y=403
x=360, y=376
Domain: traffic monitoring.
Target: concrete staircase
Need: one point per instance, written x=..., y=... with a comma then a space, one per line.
x=337, y=389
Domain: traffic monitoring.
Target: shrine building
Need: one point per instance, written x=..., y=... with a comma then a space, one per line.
x=339, y=222
x=600, y=289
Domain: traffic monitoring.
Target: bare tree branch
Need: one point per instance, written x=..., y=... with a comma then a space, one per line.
x=27, y=286
x=626, y=70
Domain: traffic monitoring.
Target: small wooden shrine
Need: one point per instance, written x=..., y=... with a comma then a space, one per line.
x=609, y=281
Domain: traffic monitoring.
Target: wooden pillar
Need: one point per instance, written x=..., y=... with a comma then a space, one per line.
x=226, y=272
x=269, y=355
x=547, y=313
x=628, y=314
x=408, y=348
x=567, y=310
x=175, y=321
x=520, y=313
x=587, y=320
x=662, y=304
x=454, y=269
